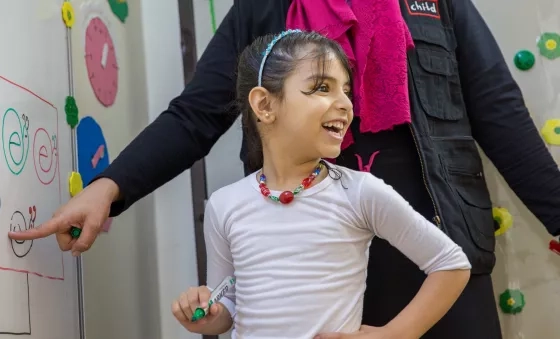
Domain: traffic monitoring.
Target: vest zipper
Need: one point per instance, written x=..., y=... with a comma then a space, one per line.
x=436, y=218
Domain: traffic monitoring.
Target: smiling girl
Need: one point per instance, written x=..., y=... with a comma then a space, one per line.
x=296, y=232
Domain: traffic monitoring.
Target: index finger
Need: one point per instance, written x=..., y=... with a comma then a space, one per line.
x=52, y=226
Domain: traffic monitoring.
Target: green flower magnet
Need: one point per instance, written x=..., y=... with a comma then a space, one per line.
x=119, y=8
x=71, y=110
x=512, y=301
x=549, y=45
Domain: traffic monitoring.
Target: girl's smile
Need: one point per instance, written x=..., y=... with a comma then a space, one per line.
x=336, y=128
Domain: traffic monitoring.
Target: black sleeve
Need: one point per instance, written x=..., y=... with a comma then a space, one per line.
x=500, y=120
x=188, y=129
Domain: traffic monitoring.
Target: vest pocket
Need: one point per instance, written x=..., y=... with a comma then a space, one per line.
x=437, y=84
x=476, y=208
x=436, y=73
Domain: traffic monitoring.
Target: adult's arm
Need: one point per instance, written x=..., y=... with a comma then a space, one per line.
x=187, y=130
x=500, y=121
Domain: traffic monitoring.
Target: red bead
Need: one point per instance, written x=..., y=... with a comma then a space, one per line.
x=265, y=191
x=286, y=197
x=307, y=182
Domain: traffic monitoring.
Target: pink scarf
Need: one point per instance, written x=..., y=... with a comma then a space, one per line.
x=376, y=39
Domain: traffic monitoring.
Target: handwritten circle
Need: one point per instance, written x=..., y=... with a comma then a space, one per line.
x=15, y=140
x=21, y=248
x=45, y=156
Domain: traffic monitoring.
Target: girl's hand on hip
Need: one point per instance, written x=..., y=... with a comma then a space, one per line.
x=365, y=332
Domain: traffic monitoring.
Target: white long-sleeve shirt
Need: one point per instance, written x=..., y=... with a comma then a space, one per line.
x=301, y=268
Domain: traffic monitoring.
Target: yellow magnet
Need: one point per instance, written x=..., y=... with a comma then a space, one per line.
x=551, y=132
x=503, y=218
x=76, y=184
x=68, y=14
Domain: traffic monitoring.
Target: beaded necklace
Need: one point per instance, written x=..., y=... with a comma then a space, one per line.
x=287, y=197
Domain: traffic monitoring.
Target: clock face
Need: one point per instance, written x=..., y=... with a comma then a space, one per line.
x=101, y=62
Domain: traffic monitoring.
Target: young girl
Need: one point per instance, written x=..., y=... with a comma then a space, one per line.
x=296, y=232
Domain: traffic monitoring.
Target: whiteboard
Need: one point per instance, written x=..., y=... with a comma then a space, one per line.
x=38, y=283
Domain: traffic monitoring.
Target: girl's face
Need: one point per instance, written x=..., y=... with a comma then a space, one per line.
x=313, y=125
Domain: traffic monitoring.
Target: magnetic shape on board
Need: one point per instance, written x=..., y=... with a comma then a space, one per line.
x=524, y=60
x=107, y=225
x=68, y=14
x=554, y=246
x=549, y=45
x=101, y=62
x=212, y=15
x=120, y=9
x=551, y=132
x=71, y=110
x=93, y=155
x=503, y=220
x=512, y=301
x=76, y=184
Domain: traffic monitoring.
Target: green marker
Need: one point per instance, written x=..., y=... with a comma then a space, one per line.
x=216, y=295
x=75, y=232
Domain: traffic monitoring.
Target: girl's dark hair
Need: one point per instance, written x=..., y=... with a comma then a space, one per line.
x=280, y=63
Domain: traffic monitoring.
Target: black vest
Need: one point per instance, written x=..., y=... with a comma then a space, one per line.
x=451, y=163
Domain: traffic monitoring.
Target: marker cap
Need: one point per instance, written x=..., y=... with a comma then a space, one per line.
x=198, y=314
x=75, y=232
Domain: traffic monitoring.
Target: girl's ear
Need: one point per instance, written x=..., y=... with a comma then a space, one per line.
x=260, y=100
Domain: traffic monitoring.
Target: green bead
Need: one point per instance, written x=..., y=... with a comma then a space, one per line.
x=557, y=130
x=298, y=189
x=512, y=301
x=524, y=60
x=273, y=198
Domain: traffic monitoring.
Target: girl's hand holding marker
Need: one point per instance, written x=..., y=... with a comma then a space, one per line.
x=198, y=308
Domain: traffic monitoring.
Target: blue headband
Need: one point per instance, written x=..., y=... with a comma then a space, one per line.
x=269, y=49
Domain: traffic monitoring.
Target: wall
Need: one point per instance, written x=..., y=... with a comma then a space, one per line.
x=524, y=261
x=133, y=273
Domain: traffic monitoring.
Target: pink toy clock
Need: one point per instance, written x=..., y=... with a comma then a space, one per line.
x=101, y=62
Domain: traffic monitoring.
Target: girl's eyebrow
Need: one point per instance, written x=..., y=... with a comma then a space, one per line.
x=316, y=77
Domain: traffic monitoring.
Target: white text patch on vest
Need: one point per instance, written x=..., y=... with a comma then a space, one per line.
x=424, y=8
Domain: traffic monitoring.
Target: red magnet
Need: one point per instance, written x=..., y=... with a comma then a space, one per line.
x=554, y=246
